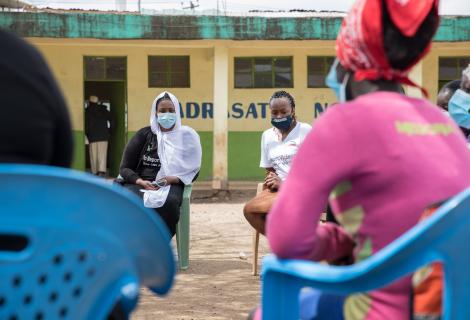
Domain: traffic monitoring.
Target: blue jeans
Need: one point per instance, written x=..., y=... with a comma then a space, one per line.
x=317, y=305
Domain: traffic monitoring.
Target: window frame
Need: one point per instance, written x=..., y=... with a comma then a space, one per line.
x=105, y=70
x=442, y=82
x=326, y=70
x=168, y=72
x=252, y=60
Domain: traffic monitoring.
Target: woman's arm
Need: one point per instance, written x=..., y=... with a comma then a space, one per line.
x=130, y=157
x=325, y=159
x=172, y=180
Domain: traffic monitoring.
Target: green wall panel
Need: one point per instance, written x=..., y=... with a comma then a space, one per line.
x=244, y=155
x=78, y=162
x=207, y=144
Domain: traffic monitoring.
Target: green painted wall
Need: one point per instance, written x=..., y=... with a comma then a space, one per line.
x=244, y=155
x=166, y=27
x=207, y=144
x=79, y=151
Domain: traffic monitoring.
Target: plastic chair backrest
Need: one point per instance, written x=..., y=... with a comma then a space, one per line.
x=442, y=237
x=81, y=245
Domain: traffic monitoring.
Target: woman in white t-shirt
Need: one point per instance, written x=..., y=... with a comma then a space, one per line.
x=279, y=144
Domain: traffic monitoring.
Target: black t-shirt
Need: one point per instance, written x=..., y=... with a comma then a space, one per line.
x=140, y=158
x=97, y=118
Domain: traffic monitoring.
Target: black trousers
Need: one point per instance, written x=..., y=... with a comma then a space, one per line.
x=170, y=211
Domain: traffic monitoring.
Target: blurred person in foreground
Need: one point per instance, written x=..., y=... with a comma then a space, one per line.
x=384, y=153
x=34, y=121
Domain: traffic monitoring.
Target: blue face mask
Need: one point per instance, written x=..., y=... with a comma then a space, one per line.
x=167, y=119
x=459, y=106
x=332, y=82
x=282, y=124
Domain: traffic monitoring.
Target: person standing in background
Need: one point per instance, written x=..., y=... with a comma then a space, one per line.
x=97, y=131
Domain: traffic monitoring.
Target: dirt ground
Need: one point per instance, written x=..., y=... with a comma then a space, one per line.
x=218, y=283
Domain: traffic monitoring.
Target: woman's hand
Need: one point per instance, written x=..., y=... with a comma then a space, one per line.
x=172, y=180
x=147, y=185
x=272, y=181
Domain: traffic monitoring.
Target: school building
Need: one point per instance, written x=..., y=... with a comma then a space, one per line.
x=223, y=69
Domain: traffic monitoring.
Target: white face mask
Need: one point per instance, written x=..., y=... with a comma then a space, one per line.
x=332, y=82
x=167, y=119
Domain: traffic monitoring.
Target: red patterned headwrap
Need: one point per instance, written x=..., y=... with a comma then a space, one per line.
x=360, y=43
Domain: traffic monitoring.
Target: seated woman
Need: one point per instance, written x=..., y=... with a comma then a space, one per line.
x=279, y=144
x=161, y=158
x=376, y=157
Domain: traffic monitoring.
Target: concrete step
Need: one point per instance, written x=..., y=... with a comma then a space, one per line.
x=238, y=192
x=232, y=185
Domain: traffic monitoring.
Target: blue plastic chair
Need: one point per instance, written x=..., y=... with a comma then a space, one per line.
x=82, y=246
x=444, y=237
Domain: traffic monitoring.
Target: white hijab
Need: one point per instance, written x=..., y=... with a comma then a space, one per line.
x=179, y=151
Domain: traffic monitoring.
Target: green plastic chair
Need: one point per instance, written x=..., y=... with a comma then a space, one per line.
x=182, y=229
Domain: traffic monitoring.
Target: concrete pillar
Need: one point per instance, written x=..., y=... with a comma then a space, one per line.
x=416, y=75
x=220, y=159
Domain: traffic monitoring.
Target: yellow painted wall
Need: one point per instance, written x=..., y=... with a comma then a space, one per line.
x=305, y=97
x=431, y=63
x=65, y=56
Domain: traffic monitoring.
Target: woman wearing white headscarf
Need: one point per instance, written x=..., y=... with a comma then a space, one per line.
x=161, y=158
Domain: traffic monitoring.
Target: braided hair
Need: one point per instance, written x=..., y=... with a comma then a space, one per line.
x=283, y=94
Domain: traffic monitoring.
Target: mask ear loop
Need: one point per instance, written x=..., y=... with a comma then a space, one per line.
x=334, y=66
x=343, y=87
x=332, y=71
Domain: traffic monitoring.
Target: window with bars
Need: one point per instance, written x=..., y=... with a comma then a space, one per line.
x=168, y=72
x=263, y=72
x=318, y=68
x=105, y=68
x=450, y=68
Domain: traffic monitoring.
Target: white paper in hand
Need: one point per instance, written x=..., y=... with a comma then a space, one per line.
x=155, y=198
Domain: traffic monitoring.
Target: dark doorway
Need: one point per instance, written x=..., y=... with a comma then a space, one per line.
x=105, y=78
